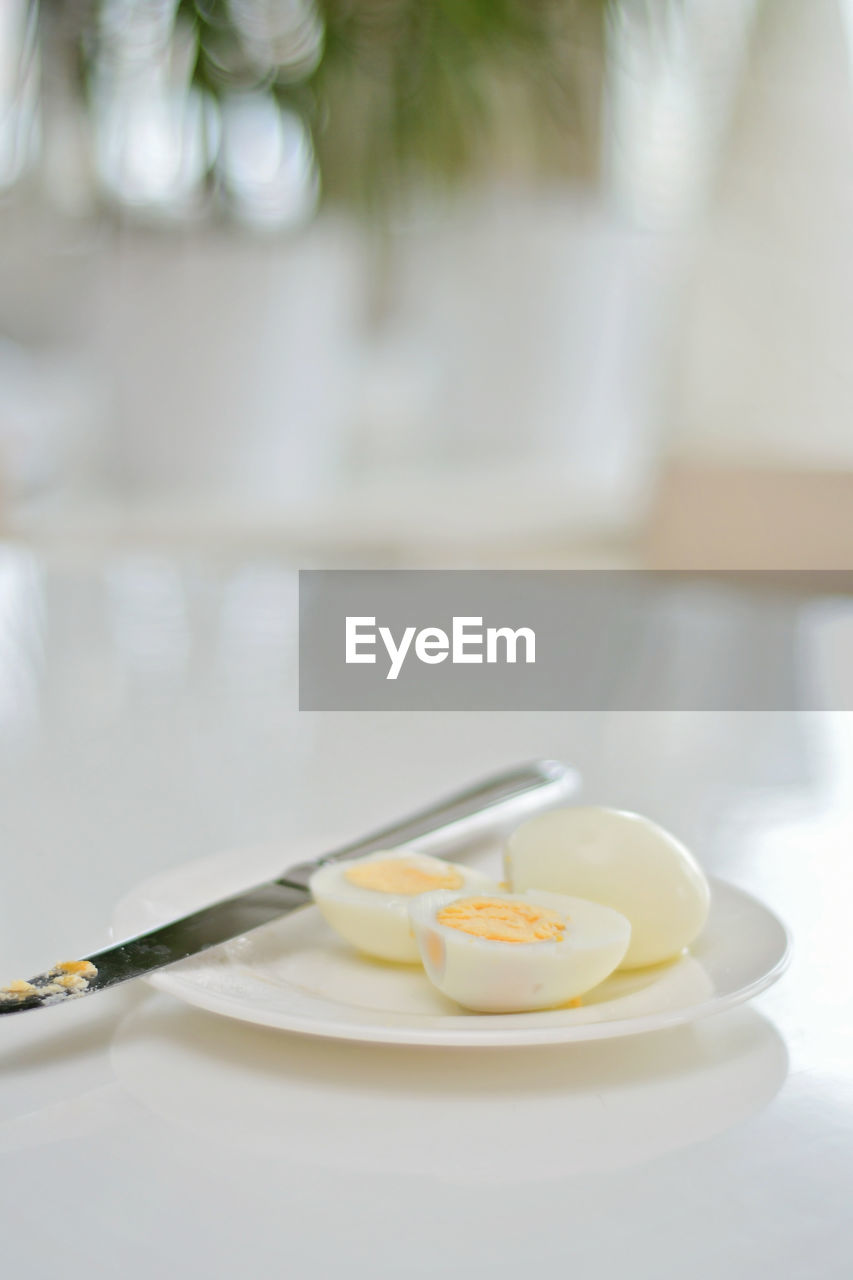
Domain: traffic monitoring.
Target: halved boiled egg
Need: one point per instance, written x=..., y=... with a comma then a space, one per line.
x=623, y=861
x=367, y=900
x=508, y=953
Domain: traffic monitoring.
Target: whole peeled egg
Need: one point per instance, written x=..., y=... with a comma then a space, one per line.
x=623, y=861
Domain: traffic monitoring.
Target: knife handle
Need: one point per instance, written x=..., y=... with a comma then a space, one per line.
x=463, y=819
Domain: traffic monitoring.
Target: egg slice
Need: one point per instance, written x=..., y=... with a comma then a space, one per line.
x=366, y=900
x=622, y=861
x=509, y=953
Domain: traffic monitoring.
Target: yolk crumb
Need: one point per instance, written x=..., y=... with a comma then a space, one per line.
x=19, y=988
x=503, y=921
x=395, y=875
x=83, y=967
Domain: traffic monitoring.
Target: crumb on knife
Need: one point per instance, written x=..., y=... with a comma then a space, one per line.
x=64, y=981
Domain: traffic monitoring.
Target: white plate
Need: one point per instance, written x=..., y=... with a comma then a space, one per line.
x=295, y=974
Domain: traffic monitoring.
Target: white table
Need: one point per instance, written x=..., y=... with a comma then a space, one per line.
x=146, y=717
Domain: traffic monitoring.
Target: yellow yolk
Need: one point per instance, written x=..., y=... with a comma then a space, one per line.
x=502, y=921
x=395, y=875
x=19, y=988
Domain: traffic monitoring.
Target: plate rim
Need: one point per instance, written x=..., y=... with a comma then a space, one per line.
x=511, y=1036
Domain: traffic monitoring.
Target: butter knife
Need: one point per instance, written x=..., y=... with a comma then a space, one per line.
x=448, y=826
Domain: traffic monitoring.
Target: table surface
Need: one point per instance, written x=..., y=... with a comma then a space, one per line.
x=147, y=718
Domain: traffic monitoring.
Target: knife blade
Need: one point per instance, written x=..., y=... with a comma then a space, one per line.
x=454, y=822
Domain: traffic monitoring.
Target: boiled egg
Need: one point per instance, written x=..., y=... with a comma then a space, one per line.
x=509, y=953
x=623, y=861
x=366, y=900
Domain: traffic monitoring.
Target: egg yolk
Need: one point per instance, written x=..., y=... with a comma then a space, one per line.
x=395, y=875
x=84, y=968
x=503, y=921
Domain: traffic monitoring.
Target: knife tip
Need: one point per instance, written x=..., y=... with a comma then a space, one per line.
x=65, y=981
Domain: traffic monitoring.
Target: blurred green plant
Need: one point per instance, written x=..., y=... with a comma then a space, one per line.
x=405, y=94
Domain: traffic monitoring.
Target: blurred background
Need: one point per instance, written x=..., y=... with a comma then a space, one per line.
x=430, y=281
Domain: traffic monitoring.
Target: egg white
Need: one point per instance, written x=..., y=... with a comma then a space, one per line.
x=490, y=976
x=378, y=923
x=623, y=861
